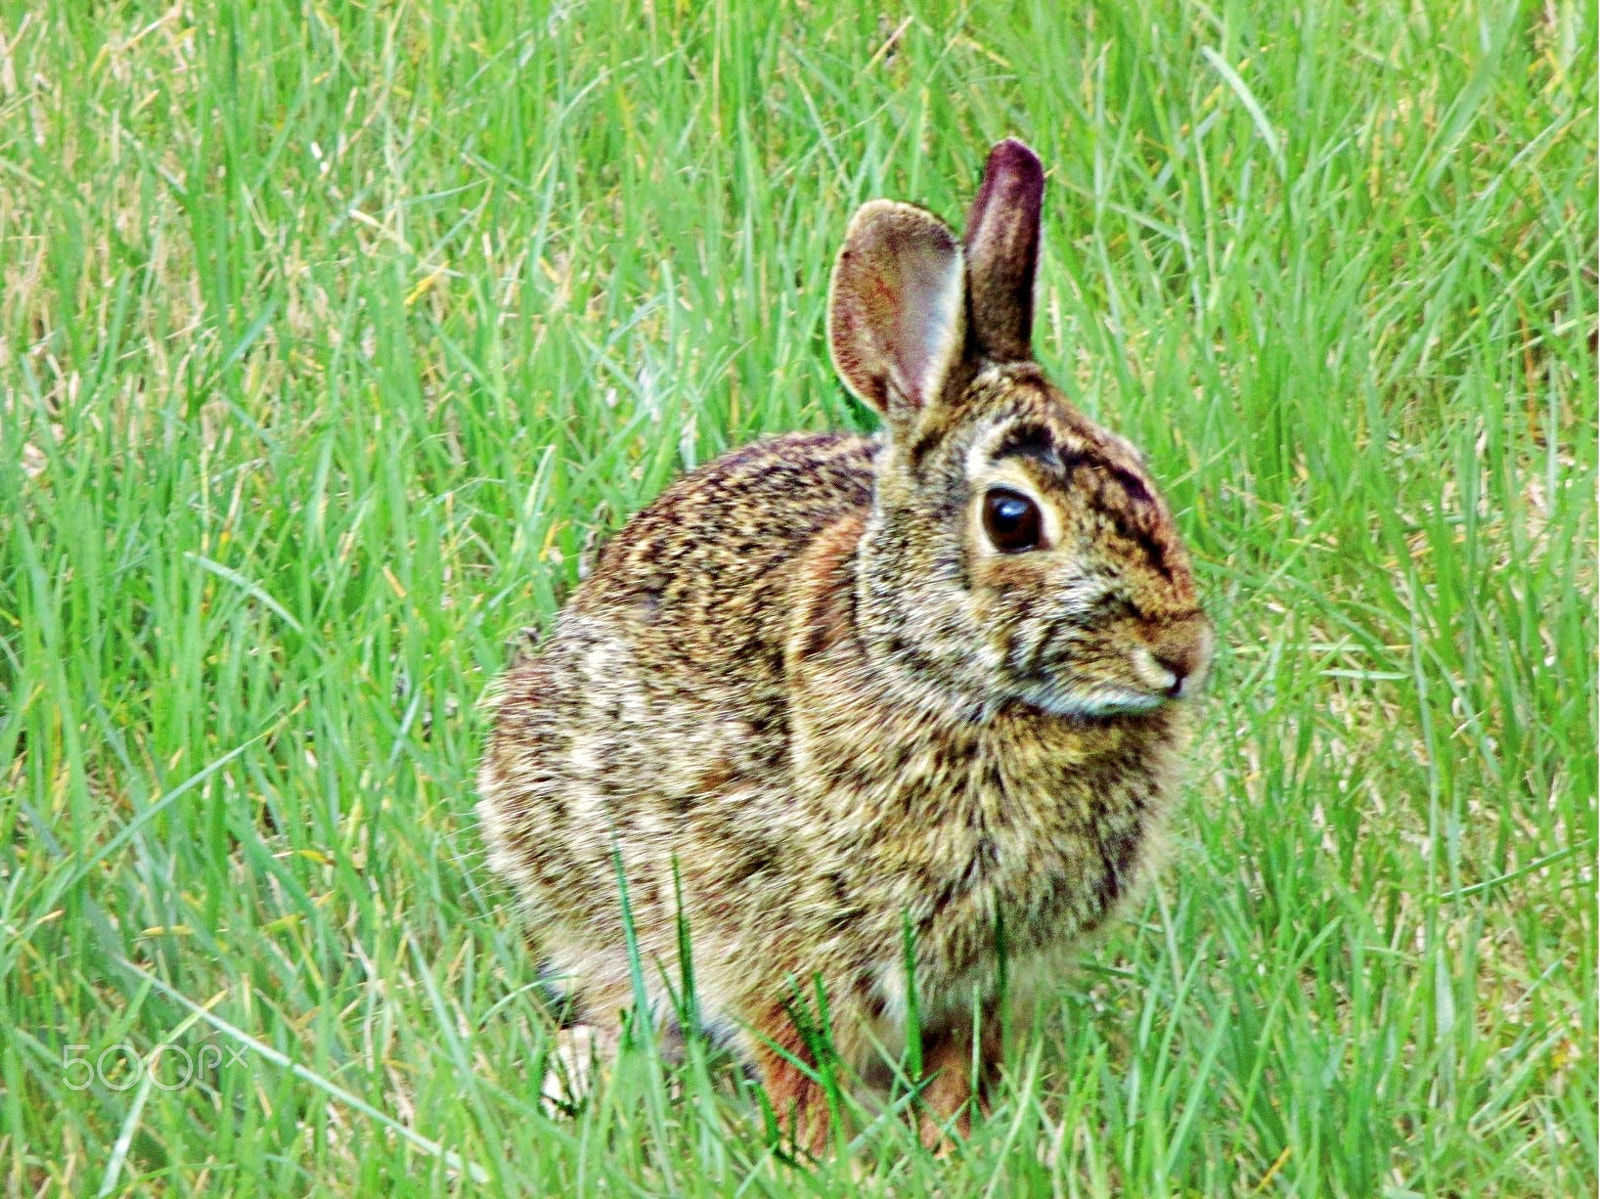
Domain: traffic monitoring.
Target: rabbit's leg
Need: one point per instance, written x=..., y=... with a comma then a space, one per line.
x=789, y=1074
x=947, y=1060
x=585, y=1049
x=579, y=1057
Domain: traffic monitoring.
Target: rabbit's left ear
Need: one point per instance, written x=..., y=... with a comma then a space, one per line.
x=896, y=320
x=1003, y=251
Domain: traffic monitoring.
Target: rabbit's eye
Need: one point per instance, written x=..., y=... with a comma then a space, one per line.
x=1011, y=519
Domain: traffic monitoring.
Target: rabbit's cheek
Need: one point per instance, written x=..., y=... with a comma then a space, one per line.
x=1009, y=583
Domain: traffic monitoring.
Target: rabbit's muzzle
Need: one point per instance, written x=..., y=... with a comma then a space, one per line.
x=1176, y=658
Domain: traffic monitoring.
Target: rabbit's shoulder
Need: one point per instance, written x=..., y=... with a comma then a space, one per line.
x=700, y=578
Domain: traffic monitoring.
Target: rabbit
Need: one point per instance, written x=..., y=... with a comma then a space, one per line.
x=880, y=721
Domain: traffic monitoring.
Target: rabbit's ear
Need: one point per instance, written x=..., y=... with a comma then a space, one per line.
x=896, y=308
x=1003, y=251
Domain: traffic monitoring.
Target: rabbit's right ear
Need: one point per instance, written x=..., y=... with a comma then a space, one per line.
x=897, y=308
x=1003, y=251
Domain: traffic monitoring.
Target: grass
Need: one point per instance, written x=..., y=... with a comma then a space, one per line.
x=331, y=336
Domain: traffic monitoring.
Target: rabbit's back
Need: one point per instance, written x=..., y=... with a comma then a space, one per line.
x=653, y=721
x=699, y=576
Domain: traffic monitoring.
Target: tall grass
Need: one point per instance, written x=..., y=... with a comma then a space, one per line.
x=333, y=334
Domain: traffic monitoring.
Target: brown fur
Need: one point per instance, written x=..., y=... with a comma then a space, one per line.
x=804, y=677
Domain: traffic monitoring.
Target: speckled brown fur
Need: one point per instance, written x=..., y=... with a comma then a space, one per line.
x=807, y=678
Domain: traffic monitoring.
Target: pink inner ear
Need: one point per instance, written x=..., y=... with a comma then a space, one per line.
x=897, y=309
x=930, y=325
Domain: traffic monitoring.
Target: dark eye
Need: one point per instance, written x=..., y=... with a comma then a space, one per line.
x=1011, y=519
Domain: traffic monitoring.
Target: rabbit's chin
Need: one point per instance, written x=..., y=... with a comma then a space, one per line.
x=1098, y=701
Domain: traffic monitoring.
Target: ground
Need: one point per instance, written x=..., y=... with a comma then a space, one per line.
x=333, y=336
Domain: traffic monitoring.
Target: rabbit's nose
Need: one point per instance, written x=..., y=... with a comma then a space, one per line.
x=1177, y=665
x=1184, y=652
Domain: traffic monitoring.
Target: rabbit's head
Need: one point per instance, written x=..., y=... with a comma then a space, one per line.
x=1017, y=552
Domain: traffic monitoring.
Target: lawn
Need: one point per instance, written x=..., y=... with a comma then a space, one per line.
x=334, y=335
